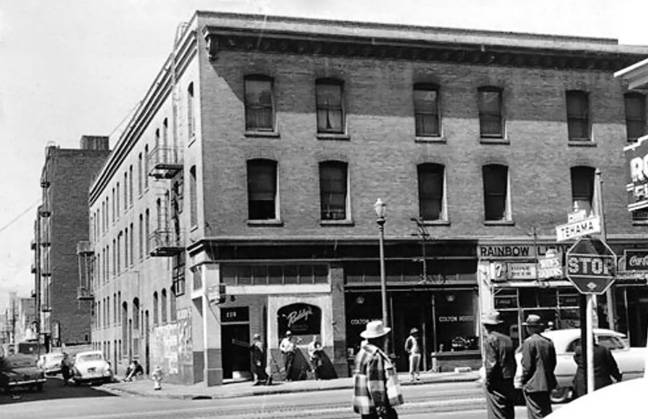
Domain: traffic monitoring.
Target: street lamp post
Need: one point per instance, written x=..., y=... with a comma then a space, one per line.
x=379, y=206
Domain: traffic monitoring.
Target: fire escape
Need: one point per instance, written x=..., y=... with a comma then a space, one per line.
x=85, y=257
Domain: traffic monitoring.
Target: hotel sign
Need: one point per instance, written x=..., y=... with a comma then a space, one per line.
x=636, y=156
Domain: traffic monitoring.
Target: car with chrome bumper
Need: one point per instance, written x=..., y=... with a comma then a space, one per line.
x=91, y=367
x=50, y=363
x=20, y=370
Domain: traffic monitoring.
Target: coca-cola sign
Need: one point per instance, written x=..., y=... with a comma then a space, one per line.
x=636, y=259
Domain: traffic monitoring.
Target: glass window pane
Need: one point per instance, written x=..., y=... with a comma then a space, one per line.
x=582, y=180
x=333, y=190
x=330, y=115
x=290, y=274
x=577, y=115
x=495, y=192
x=426, y=109
x=275, y=274
x=262, y=183
x=258, y=104
x=430, y=191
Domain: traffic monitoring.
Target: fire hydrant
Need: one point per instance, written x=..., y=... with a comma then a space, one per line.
x=157, y=378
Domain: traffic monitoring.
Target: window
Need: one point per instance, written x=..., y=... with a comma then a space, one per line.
x=139, y=174
x=193, y=199
x=495, y=179
x=132, y=245
x=147, y=222
x=259, y=107
x=155, y=308
x=635, y=111
x=330, y=111
x=426, y=110
x=582, y=181
x=125, y=190
x=333, y=190
x=490, y=112
x=141, y=237
x=165, y=138
x=191, y=123
x=262, y=189
x=578, y=116
x=126, y=244
x=146, y=169
x=130, y=185
x=431, y=188
x=113, y=203
x=163, y=306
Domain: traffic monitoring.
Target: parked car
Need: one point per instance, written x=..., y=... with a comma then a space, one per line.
x=619, y=400
x=631, y=361
x=91, y=367
x=20, y=370
x=50, y=363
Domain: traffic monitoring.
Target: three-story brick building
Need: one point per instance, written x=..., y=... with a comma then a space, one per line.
x=257, y=154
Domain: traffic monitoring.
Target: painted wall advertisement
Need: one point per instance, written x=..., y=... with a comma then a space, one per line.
x=171, y=348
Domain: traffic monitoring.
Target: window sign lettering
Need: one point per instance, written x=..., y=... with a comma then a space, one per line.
x=300, y=319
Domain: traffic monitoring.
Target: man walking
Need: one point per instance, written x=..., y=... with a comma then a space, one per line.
x=499, y=365
x=413, y=348
x=538, y=364
x=287, y=348
x=258, y=360
x=605, y=368
x=376, y=390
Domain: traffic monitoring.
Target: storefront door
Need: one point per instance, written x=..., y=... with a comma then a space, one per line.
x=236, y=355
x=411, y=310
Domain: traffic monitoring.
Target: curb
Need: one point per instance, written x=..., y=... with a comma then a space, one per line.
x=115, y=389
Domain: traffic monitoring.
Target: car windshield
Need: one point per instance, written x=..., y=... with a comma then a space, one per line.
x=90, y=357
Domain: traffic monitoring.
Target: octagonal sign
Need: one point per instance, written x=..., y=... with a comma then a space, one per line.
x=591, y=266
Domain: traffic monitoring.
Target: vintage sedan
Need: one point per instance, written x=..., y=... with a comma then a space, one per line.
x=50, y=363
x=20, y=370
x=91, y=367
x=630, y=360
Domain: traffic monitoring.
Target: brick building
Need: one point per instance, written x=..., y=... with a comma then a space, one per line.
x=257, y=154
x=61, y=222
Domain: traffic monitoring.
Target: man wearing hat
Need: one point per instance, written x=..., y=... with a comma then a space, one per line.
x=287, y=348
x=538, y=364
x=413, y=348
x=375, y=390
x=258, y=360
x=499, y=365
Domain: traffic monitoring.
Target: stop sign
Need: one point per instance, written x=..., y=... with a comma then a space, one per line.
x=591, y=266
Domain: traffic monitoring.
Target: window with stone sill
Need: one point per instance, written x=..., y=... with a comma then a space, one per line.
x=582, y=183
x=496, y=193
x=431, y=187
x=330, y=106
x=262, y=190
x=635, y=113
x=333, y=191
x=578, y=122
x=490, y=112
x=259, y=104
x=426, y=110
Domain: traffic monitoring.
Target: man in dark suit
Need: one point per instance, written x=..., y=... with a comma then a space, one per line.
x=538, y=364
x=605, y=368
x=499, y=365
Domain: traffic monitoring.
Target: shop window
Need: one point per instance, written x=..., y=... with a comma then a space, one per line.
x=426, y=110
x=274, y=274
x=300, y=319
x=333, y=190
x=259, y=104
x=490, y=112
x=635, y=111
x=262, y=189
x=431, y=185
x=582, y=182
x=496, y=189
x=330, y=106
x=259, y=275
x=506, y=298
x=578, y=124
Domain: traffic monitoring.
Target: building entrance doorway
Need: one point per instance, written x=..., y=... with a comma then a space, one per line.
x=236, y=355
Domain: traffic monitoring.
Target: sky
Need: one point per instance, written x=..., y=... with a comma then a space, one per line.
x=75, y=67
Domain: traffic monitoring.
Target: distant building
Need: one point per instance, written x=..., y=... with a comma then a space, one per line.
x=240, y=199
x=25, y=320
x=61, y=222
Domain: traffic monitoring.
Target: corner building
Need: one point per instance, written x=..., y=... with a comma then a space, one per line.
x=240, y=198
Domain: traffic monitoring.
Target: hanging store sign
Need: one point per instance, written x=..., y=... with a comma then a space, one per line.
x=522, y=271
x=549, y=266
x=636, y=259
x=636, y=156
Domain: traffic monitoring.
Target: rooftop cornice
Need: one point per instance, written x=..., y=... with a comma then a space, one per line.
x=157, y=93
x=458, y=49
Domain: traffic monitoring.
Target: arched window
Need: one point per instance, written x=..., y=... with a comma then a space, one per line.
x=163, y=306
x=156, y=303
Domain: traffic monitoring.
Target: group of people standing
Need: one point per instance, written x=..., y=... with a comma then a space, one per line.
x=538, y=365
x=295, y=366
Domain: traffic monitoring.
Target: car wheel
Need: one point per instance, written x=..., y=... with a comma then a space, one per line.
x=561, y=395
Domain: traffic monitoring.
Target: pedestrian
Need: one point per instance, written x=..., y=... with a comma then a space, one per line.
x=258, y=360
x=605, y=369
x=157, y=376
x=315, y=355
x=500, y=366
x=538, y=364
x=287, y=348
x=376, y=390
x=134, y=371
x=413, y=348
x=66, y=368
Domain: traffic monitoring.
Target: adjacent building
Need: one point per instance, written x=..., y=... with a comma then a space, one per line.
x=240, y=198
x=61, y=222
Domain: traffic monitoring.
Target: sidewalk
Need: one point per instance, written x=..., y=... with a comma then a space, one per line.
x=144, y=387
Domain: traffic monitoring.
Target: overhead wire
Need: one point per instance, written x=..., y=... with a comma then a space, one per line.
x=17, y=217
